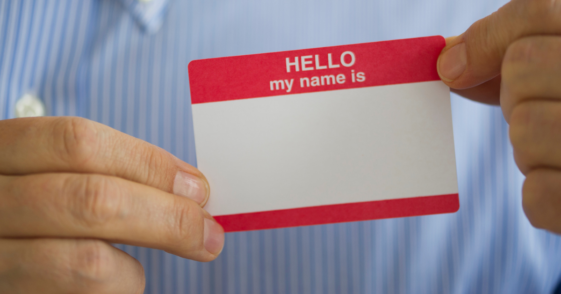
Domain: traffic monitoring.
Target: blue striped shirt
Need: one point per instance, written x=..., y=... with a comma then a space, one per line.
x=124, y=63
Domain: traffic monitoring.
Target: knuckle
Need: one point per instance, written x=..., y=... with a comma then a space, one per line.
x=74, y=266
x=76, y=141
x=93, y=261
x=535, y=200
x=521, y=50
x=151, y=164
x=185, y=224
x=70, y=262
x=517, y=65
x=519, y=132
x=526, y=121
x=156, y=162
x=95, y=200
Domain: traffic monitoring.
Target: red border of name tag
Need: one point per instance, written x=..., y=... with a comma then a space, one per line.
x=249, y=76
x=339, y=213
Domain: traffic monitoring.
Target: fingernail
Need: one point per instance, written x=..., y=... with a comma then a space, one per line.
x=453, y=62
x=190, y=186
x=213, y=236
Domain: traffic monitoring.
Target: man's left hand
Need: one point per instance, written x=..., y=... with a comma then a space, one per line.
x=513, y=58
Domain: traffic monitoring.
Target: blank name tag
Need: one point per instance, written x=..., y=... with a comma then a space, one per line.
x=325, y=135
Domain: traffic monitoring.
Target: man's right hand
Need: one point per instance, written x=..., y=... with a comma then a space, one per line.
x=69, y=186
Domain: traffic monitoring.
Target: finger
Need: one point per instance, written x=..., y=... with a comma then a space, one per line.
x=488, y=92
x=71, y=144
x=531, y=70
x=535, y=133
x=476, y=56
x=109, y=208
x=530, y=99
x=542, y=199
x=67, y=266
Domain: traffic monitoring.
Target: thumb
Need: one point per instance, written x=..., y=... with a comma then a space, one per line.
x=475, y=57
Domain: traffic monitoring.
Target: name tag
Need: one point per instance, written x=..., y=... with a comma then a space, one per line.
x=325, y=135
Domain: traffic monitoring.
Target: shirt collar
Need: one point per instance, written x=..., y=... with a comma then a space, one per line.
x=148, y=14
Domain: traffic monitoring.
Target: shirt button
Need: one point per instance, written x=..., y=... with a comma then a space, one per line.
x=29, y=105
